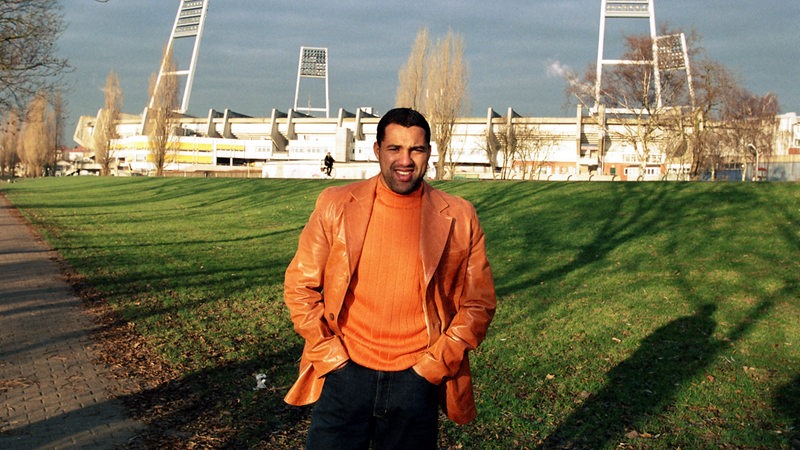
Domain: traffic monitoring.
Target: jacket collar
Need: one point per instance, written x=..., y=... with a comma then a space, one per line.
x=435, y=230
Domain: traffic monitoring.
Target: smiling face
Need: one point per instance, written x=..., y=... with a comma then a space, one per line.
x=403, y=157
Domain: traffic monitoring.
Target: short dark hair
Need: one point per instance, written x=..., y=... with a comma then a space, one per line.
x=406, y=117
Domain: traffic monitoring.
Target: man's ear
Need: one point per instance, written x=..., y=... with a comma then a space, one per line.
x=375, y=148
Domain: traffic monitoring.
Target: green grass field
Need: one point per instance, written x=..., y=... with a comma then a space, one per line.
x=630, y=315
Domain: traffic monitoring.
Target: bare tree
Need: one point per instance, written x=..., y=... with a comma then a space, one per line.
x=696, y=134
x=38, y=137
x=162, y=114
x=751, y=126
x=412, y=75
x=493, y=148
x=628, y=93
x=630, y=90
x=506, y=145
x=725, y=126
x=105, y=129
x=524, y=150
x=9, y=143
x=59, y=115
x=442, y=94
x=445, y=93
x=29, y=30
x=676, y=128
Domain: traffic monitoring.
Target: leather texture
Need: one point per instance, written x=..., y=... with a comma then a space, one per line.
x=459, y=296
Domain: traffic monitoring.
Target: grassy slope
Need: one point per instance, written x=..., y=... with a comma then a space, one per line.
x=651, y=314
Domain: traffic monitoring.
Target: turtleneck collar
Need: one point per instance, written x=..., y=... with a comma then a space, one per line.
x=395, y=200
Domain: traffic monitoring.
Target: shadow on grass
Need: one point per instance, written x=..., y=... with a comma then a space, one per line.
x=645, y=384
x=616, y=221
x=642, y=385
x=220, y=407
x=216, y=407
x=787, y=401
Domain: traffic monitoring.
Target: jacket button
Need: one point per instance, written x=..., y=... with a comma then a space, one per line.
x=330, y=316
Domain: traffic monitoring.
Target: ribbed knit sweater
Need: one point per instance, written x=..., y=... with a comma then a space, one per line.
x=383, y=321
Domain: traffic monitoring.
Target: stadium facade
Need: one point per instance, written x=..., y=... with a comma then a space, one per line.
x=291, y=145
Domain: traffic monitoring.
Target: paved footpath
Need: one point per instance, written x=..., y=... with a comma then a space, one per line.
x=52, y=392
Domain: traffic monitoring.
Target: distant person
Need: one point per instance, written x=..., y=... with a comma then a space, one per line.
x=390, y=288
x=328, y=161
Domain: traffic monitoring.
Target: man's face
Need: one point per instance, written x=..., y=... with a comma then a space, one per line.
x=403, y=157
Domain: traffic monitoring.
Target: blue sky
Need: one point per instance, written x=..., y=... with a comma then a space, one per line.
x=250, y=48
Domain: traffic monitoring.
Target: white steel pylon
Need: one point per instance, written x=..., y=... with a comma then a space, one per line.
x=189, y=23
x=313, y=63
x=626, y=9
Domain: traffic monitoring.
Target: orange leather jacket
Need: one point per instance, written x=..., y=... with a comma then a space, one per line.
x=457, y=283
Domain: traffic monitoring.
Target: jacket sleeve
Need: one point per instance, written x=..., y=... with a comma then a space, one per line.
x=304, y=296
x=474, y=308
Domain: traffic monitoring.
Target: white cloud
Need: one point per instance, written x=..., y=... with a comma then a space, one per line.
x=557, y=69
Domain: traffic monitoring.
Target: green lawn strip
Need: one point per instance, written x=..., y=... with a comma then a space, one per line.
x=641, y=315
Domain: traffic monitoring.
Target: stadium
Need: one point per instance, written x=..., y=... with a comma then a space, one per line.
x=593, y=144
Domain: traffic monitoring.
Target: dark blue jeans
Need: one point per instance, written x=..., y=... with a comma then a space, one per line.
x=361, y=406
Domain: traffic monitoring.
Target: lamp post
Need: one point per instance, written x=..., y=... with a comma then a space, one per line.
x=754, y=151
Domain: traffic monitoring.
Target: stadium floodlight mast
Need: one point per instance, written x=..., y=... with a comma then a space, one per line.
x=189, y=23
x=673, y=55
x=313, y=63
x=669, y=52
x=625, y=9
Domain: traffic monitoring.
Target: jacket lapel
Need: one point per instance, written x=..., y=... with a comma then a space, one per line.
x=435, y=232
x=356, y=219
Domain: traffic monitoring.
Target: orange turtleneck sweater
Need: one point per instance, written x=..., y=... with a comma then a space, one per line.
x=383, y=323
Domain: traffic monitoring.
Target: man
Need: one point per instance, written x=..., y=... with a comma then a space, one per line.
x=328, y=161
x=390, y=287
